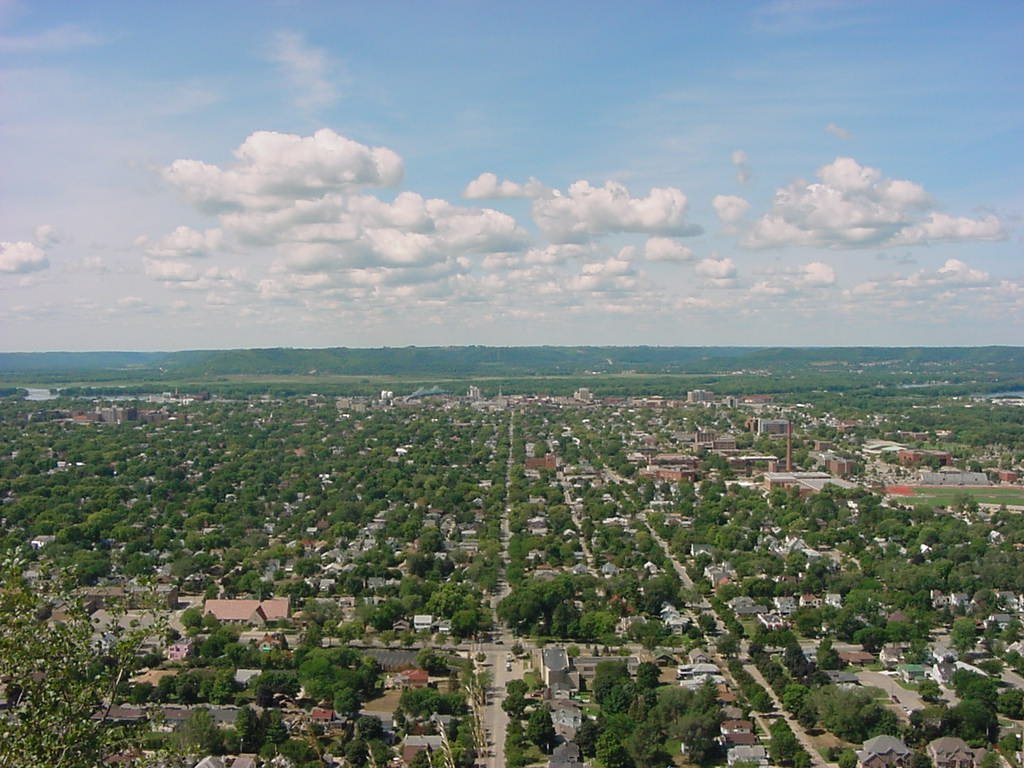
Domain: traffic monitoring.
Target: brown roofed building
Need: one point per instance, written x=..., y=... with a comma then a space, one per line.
x=242, y=611
x=550, y=461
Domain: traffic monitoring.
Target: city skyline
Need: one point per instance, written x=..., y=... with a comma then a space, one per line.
x=311, y=175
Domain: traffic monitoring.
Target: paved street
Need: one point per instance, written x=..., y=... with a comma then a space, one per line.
x=798, y=730
x=905, y=701
x=495, y=720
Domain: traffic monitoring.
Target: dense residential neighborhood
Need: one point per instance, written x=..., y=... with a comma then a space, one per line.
x=570, y=580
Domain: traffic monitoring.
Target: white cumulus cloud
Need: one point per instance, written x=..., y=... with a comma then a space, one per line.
x=21, y=257
x=957, y=271
x=955, y=286
x=585, y=211
x=817, y=273
x=298, y=210
x=806, y=278
x=486, y=186
x=666, y=249
x=46, y=235
x=940, y=226
x=185, y=242
x=275, y=167
x=856, y=206
x=730, y=208
x=555, y=254
x=612, y=275
x=716, y=269
x=171, y=271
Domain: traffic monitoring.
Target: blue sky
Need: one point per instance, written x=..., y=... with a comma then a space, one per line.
x=199, y=175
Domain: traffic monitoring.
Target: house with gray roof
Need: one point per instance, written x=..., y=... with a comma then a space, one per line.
x=884, y=752
x=953, y=752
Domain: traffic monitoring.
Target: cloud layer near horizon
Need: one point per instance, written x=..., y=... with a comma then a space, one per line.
x=316, y=221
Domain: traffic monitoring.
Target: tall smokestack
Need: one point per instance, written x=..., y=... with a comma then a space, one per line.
x=789, y=446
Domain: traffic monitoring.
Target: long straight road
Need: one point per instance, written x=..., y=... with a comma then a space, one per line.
x=495, y=719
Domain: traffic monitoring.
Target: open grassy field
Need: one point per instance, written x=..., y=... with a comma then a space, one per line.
x=945, y=496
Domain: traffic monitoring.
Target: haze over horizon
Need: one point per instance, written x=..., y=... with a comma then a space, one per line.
x=779, y=173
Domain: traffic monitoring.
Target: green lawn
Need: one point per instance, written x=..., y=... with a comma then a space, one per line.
x=1013, y=496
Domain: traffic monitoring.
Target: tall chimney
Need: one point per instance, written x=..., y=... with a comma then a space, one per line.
x=789, y=446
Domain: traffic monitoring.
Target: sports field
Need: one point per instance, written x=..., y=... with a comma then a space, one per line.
x=946, y=495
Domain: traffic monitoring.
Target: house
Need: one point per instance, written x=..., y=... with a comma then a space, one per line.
x=566, y=755
x=841, y=678
x=700, y=656
x=676, y=623
x=423, y=622
x=891, y=655
x=717, y=575
x=745, y=606
x=537, y=526
x=911, y=673
x=808, y=600
x=243, y=676
x=737, y=733
x=414, y=744
x=884, y=752
x=321, y=715
x=586, y=666
x=410, y=678
x=695, y=675
x=736, y=726
x=730, y=740
x=834, y=599
x=567, y=717
x=243, y=611
x=953, y=752
x=998, y=621
x=554, y=666
x=272, y=642
x=785, y=605
x=180, y=650
x=748, y=755
x=724, y=696
x=772, y=621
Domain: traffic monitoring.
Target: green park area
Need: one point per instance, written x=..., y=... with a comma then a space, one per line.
x=954, y=495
